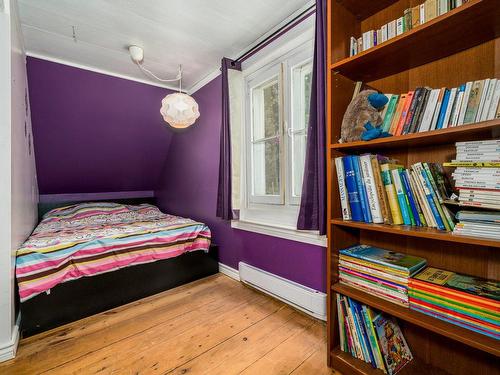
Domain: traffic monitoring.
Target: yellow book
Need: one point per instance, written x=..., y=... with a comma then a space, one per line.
x=487, y=164
x=397, y=219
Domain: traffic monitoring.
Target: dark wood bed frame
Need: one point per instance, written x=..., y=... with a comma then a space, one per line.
x=77, y=299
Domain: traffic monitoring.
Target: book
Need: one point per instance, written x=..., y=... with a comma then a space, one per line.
x=379, y=360
x=371, y=189
x=442, y=111
x=482, y=102
x=423, y=211
x=443, y=7
x=410, y=198
x=465, y=102
x=391, y=29
x=475, y=286
x=360, y=181
x=455, y=114
x=344, y=200
x=403, y=204
x=449, y=107
x=474, y=101
x=404, y=113
x=419, y=111
x=384, y=33
x=384, y=202
x=430, y=108
x=393, y=346
x=415, y=16
x=352, y=189
x=397, y=114
x=416, y=101
x=389, y=114
x=407, y=19
x=384, y=109
x=431, y=10
x=437, y=109
x=492, y=112
x=471, y=164
x=400, y=28
x=391, y=192
x=408, y=264
x=488, y=100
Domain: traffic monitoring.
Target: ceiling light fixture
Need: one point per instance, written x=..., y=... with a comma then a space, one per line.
x=179, y=110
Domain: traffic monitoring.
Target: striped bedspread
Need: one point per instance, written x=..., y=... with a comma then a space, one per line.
x=92, y=238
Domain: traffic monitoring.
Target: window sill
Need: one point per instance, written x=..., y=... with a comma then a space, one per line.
x=291, y=234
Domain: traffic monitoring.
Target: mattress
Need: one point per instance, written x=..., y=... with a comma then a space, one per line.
x=92, y=238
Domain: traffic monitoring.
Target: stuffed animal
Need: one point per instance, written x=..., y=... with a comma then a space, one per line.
x=362, y=118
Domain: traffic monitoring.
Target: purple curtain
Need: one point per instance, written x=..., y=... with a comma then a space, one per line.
x=312, y=214
x=224, y=208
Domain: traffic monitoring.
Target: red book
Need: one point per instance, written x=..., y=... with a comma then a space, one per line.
x=402, y=119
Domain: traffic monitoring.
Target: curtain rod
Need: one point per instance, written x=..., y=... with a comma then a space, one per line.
x=271, y=37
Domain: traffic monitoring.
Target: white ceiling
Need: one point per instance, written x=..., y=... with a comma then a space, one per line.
x=194, y=33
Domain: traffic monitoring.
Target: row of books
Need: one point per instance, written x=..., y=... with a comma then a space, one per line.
x=425, y=109
x=375, y=189
x=411, y=18
x=371, y=336
x=484, y=224
x=467, y=301
x=380, y=272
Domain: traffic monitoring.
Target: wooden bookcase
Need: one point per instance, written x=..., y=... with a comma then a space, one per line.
x=459, y=46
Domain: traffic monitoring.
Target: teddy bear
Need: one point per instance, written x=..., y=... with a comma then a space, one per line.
x=362, y=118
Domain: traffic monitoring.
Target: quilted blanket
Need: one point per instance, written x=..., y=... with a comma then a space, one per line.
x=92, y=238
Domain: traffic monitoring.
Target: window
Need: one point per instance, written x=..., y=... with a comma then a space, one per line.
x=277, y=104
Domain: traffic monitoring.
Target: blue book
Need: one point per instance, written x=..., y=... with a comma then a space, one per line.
x=399, y=261
x=364, y=331
x=400, y=193
x=359, y=332
x=444, y=107
x=428, y=191
x=352, y=189
x=363, y=196
x=407, y=198
x=411, y=197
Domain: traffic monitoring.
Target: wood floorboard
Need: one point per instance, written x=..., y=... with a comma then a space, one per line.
x=212, y=326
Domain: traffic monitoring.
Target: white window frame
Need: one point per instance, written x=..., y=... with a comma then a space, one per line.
x=276, y=220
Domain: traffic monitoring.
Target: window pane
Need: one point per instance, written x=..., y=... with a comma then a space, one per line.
x=266, y=110
x=266, y=167
x=299, y=157
x=301, y=99
x=301, y=86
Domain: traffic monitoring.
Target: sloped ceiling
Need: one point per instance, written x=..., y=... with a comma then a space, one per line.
x=195, y=33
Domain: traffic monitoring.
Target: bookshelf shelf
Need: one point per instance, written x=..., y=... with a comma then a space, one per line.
x=349, y=365
x=440, y=37
x=457, y=47
x=451, y=331
x=424, y=232
x=485, y=129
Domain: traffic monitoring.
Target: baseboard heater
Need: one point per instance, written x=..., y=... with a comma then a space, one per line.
x=301, y=297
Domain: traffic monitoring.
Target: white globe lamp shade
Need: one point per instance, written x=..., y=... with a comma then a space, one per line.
x=179, y=110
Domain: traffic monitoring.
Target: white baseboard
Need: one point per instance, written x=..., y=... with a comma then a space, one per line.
x=9, y=350
x=229, y=271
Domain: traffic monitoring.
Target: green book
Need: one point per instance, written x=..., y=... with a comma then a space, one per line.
x=389, y=114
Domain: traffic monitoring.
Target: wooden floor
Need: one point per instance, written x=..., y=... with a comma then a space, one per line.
x=212, y=326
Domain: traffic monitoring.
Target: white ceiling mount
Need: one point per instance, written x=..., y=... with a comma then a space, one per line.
x=136, y=54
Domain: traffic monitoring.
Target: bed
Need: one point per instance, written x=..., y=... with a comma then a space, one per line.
x=86, y=258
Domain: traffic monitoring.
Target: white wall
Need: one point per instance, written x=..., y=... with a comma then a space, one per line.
x=18, y=186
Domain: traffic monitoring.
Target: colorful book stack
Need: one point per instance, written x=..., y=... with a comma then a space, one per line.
x=411, y=18
x=426, y=109
x=379, y=272
x=477, y=176
x=375, y=189
x=482, y=224
x=372, y=337
x=466, y=301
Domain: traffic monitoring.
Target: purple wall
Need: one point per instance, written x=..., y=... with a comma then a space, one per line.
x=189, y=188
x=93, y=132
